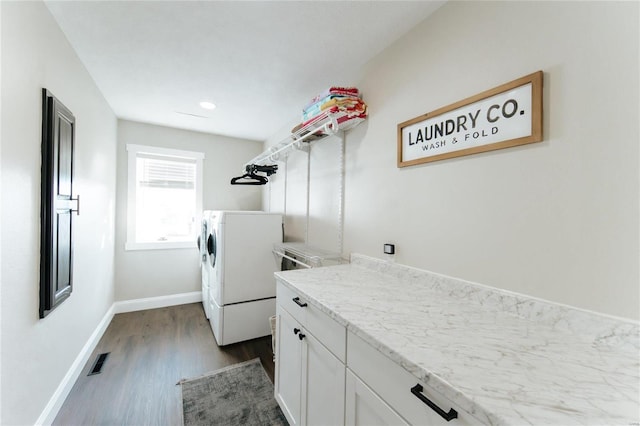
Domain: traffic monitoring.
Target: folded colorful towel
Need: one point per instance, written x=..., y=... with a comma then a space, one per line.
x=320, y=102
x=342, y=102
x=340, y=115
x=334, y=90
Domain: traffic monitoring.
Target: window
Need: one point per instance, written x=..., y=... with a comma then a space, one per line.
x=164, y=197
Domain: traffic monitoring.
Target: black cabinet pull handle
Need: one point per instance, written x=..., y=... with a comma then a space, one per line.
x=77, y=209
x=301, y=336
x=296, y=330
x=417, y=391
x=298, y=302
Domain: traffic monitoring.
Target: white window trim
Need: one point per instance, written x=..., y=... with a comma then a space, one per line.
x=133, y=150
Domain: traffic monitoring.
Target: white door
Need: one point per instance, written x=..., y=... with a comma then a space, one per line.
x=365, y=408
x=322, y=383
x=288, y=373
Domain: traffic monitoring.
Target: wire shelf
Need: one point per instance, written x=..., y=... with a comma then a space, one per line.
x=323, y=125
x=305, y=256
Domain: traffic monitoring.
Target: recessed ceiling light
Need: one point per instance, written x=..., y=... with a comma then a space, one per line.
x=207, y=105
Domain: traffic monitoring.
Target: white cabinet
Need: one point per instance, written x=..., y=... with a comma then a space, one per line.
x=326, y=376
x=322, y=386
x=364, y=408
x=288, y=374
x=309, y=377
x=397, y=390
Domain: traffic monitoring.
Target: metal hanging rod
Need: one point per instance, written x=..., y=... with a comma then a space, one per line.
x=326, y=123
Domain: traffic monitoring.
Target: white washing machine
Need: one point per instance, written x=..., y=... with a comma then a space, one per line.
x=242, y=288
x=205, y=246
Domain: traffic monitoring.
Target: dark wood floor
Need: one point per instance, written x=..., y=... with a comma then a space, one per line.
x=149, y=352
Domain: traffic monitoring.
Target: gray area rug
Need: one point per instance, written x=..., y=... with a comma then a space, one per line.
x=240, y=394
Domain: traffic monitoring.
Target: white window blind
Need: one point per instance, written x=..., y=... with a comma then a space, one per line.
x=160, y=172
x=165, y=197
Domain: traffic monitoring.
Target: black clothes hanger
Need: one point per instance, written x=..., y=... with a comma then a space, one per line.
x=251, y=177
x=250, y=180
x=268, y=170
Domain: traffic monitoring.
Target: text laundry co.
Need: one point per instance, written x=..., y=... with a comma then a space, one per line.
x=444, y=128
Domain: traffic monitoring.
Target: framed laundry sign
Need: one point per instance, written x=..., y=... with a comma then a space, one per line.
x=505, y=116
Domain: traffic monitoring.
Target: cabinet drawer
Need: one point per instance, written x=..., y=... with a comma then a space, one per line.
x=322, y=326
x=394, y=385
x=285, y=298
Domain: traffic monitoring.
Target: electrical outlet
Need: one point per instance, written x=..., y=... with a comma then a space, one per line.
x=389, y=248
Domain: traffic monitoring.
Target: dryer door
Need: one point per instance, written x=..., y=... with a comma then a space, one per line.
x=212, y=247
x=215, y=246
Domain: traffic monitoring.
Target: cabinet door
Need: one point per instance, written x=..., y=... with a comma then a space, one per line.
x=288, y=375
x=322, y=383
x=57, y=204
x=365, y=408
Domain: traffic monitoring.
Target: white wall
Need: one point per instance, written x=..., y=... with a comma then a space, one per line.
x=287, y=189
x=314, y=170
x=152, y=273
x=558, y=219
x=37, y=353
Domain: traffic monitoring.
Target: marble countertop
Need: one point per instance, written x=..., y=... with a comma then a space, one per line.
x=505, y=358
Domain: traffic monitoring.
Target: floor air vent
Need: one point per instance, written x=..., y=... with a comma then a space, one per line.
x=97, y=366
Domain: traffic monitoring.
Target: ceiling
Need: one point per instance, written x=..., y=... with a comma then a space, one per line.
x=259, y=62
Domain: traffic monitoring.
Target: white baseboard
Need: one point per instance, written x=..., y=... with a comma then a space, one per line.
x=50, y=412
x=157, y=302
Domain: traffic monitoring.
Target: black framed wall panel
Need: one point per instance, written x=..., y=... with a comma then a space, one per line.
x=57, y=205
